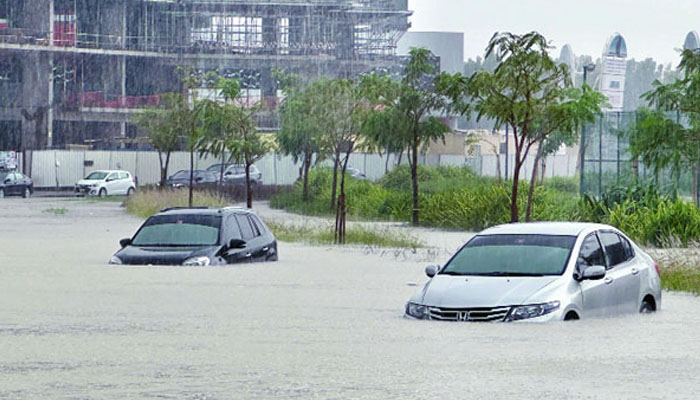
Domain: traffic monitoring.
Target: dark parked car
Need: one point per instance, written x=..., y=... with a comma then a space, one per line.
x=216, y=168
x=199, y=237
x=201, y=179
x=15, y=184
x=235, y=175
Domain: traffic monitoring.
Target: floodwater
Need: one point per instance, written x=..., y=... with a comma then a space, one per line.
x=321, y=323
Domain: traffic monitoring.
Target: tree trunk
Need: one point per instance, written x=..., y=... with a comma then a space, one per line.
x=248, y=186
x=341, y=209
x=386, y=164
x=414, y=182
x=543, y=172
x=400, y=157
x=167, y=165
x=221, y=173
x=305, y=176
x=336, y=161
x=695, y=185
x=514, y=217
x=162, y=170
x=191, y=188
x=533, y=183
x=498, y=168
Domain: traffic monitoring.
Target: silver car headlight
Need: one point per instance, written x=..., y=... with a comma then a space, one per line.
x=417, y=310
x=197, y=262
x=115, y=260
x=532, y=311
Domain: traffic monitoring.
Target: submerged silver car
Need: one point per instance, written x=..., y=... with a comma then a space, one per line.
x=540, y=272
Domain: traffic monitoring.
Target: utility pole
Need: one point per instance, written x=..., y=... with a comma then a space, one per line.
x=582, y=143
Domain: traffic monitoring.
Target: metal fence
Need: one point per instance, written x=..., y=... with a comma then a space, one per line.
x=607, y=162
x=62, y=168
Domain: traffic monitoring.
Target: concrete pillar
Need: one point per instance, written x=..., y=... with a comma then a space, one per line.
x=36, y=70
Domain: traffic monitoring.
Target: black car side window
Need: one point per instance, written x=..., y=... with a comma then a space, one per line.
x=256, y=230
x=591, y=253
x=258, y=224
x=246, y=229
x=233, y=231
x=614, y=250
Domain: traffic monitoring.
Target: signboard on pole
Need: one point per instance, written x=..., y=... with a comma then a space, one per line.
x=612, y=83
x=612, y=77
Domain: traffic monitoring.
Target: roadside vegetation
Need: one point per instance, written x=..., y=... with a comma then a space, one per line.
x=148, y=202
x=355, y=234
x=56, y=211
x=456, y=198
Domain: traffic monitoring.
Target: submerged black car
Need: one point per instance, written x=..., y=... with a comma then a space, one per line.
x=199, y=237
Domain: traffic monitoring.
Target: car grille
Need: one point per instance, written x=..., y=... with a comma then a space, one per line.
x=469, y=314
x=82, y=189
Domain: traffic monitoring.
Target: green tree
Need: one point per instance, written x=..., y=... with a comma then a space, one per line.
x=404, y=112
x=527, y=92
x=300, y=128
x=218, y=129
x=163, y=128
x=660, y=141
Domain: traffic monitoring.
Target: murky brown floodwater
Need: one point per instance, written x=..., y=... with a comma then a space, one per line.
x=321, y=323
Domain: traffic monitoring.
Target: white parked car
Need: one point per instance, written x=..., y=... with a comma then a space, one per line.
x=541, y=272
x=106, y=183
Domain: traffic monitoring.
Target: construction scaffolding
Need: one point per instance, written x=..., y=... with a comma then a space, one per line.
x=74, y=70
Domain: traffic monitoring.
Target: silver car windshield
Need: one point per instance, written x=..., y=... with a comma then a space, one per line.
x=512, y=255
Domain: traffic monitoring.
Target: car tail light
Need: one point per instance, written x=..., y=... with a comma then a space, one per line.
x=656, y=266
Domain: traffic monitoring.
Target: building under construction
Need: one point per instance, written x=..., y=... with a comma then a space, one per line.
x=76, y=71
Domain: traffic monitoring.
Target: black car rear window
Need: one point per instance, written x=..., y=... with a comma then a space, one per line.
x=179, y=230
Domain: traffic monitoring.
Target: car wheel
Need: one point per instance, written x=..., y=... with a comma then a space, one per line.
x=103, y=192
x=647, y=307
x=27, y=193
x=130, y=192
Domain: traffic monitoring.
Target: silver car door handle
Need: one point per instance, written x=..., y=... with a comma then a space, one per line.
x=635, y=271
x=608, y=281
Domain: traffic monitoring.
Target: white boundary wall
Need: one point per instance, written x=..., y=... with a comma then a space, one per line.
x=62, y=168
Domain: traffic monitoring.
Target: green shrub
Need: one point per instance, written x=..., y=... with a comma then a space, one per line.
x=562, y=184
x=643, y=214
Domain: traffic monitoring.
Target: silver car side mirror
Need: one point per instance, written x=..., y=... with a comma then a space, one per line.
x=432, y=270
x=593, y=273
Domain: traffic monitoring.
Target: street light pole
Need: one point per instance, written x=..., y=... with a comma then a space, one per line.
x=582, y=144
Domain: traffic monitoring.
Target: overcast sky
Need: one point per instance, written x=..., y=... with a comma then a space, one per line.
x=651, y=28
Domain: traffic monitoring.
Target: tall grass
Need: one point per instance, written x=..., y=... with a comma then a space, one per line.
x=355, y=234
x=450, y=197
x=148, y=202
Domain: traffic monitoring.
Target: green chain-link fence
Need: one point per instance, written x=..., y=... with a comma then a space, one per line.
x=608, y=164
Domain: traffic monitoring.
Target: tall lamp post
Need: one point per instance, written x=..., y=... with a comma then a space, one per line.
x=582, y=147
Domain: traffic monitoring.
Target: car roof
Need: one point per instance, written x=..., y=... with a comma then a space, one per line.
x=204, y=211
x=108, y=170
x=544, y=228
